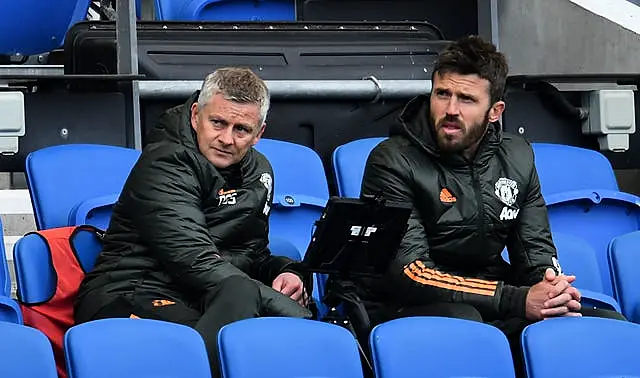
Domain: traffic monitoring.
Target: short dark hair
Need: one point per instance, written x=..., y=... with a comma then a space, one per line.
x=472, y=55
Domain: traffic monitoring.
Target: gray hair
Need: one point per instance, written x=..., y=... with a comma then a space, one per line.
x=239, y=85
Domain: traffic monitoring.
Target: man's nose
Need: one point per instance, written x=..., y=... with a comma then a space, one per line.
x=452, y=107
x=226, y=136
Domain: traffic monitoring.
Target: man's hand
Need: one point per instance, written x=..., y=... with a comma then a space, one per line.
x=551, y=277
x=551, y=297
x=557, y=296
x=290, y=285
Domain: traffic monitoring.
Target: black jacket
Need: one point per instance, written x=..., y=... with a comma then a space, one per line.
x=181, y=225
x=465, y=213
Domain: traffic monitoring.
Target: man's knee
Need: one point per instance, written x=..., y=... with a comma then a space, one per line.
x=460, y=311
x=447, y=310
x=240, y=286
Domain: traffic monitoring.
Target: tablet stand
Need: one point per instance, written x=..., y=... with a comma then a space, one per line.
x=337, y=292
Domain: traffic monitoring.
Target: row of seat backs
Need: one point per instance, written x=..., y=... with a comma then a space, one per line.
x=288, y=347
x=402, y=346
x=38, y=27
x=123, y=348
x=225, y=10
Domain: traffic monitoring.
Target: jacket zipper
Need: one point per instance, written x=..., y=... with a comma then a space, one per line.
x=476, y=187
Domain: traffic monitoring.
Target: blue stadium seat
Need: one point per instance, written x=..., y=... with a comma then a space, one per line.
x=25, y=353
x=30, y=27
x=77, y=183
x=283, y=247
x=578, y=258
x=583, y=199
x=300, y=190
x=135, y=348
x=35, y=274
x=287, y=347
x=300, y=194
x=349, y=161
x=439, y=347
x=624, y=259
x=563, y=168
x=5, y=278
x=226, y=10
x=592, y=347
x=9, y=309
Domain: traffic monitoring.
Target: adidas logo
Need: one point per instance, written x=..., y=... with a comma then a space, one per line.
x=446, y=196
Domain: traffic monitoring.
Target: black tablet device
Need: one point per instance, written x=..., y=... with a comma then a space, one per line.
x=357, y=237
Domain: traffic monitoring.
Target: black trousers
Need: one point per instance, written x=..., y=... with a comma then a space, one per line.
x=512, y=328
x=235, y=299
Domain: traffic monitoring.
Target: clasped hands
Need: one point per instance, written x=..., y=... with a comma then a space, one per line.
x=553, y=297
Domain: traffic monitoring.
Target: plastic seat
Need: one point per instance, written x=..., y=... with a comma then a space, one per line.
x=300, y=194
x=349, y=161
x=35, y=275
x=578, y=258
x=38, y=282
x=624, y=258
x=287, y=347
x=300, y=190
x=9, y=309
x=32, y=27
x=226, y=10
x=439, y=347
x=598, y=348
x=135, y=348
x=283, y=247
x=26, y=353
x=583, y=199
x=563, y=168
x=77, y=183
x=5, y=278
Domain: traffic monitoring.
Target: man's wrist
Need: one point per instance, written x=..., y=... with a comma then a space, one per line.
x=513, y=301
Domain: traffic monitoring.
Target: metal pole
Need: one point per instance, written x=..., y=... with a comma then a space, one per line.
x=127, y=55
x=372, y=90
x=488, y=23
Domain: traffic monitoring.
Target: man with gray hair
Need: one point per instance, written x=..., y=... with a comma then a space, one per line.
x=188, y=237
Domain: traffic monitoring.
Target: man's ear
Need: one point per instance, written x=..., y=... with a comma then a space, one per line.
x=259, y=135
x=194, y=115
x=496, y=111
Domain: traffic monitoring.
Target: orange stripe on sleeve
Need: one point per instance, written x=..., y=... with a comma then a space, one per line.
x=474, y=282
x=418, y=272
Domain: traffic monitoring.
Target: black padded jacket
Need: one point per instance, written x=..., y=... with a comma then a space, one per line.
x=464, y=214
x=181, y=226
